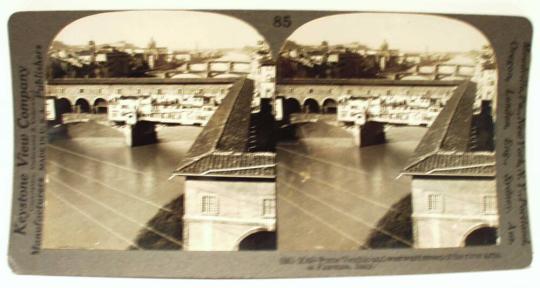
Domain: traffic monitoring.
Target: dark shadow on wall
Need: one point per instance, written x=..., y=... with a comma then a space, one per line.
x=167, y=221
x=396, y=222
x=263, y=240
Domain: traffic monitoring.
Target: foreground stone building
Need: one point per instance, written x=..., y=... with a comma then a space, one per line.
x=454, y=195
x=229, y=175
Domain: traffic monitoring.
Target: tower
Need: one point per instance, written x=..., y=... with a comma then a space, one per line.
x=384, y=55
x=92, y=48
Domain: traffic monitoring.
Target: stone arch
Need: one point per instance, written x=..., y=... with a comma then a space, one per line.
x=329, y=106
x=82, y=106
x=63, y=105
x=100, y=106
x=258, y=239
x=481, y=235
x=311, y=106
x=291, y=105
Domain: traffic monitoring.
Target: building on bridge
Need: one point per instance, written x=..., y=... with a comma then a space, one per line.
x=368, y=104
x=454, y=196
x=322, y=95
x=229, y=192
x=92, y=95
x=487, y=85
x=265, y=79
x=412, y=106
x=136, y=104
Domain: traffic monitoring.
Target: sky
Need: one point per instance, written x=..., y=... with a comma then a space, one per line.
x=171, y=29
x=203, y=30
x=407, y=32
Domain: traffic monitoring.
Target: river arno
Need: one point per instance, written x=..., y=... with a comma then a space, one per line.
x=100, y=194
x=332, y=194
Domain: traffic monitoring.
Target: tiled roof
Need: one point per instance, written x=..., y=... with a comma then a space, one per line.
x=231, y=164
x=228, y=128
x=445, y=149
x=221, y=149
x=457, y=164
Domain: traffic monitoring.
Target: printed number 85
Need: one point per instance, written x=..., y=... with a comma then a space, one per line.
x=282, y=21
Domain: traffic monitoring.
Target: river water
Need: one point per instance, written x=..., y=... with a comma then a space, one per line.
x=100, y=194
x=332, y=194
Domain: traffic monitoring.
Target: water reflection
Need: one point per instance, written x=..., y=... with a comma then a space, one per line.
x=332, y=194
x=106, y=173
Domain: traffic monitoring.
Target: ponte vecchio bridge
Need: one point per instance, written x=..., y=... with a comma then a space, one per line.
x=209, y=69
x=442, y=71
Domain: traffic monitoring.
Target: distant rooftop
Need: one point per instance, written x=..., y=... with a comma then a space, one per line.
x=382, y=82
x=447, y=148
x=235, y=56
x=139, y=80
x=222, y=148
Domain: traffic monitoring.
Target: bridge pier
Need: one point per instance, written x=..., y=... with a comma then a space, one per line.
x=140, y=133
x=370, y=133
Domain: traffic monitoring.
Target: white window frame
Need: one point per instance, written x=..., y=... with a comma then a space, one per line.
x=489, y=204
x=435, y=203
x=269, y=207
x=209, y=205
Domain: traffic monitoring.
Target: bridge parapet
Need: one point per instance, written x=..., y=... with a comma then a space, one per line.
x=215, y=67
x=439, y=71
x=68, y=118
x=298, y=118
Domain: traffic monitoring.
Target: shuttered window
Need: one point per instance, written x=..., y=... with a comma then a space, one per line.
x=210, y=205
x=489, y=204
x=435, y=203
x=269, y=207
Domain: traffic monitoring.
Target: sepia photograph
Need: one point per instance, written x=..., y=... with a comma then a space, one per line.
x=183, y=130
x=158, y=134
x=391, y=134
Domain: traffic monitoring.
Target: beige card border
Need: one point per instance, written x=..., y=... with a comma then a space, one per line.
x=30, y=34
